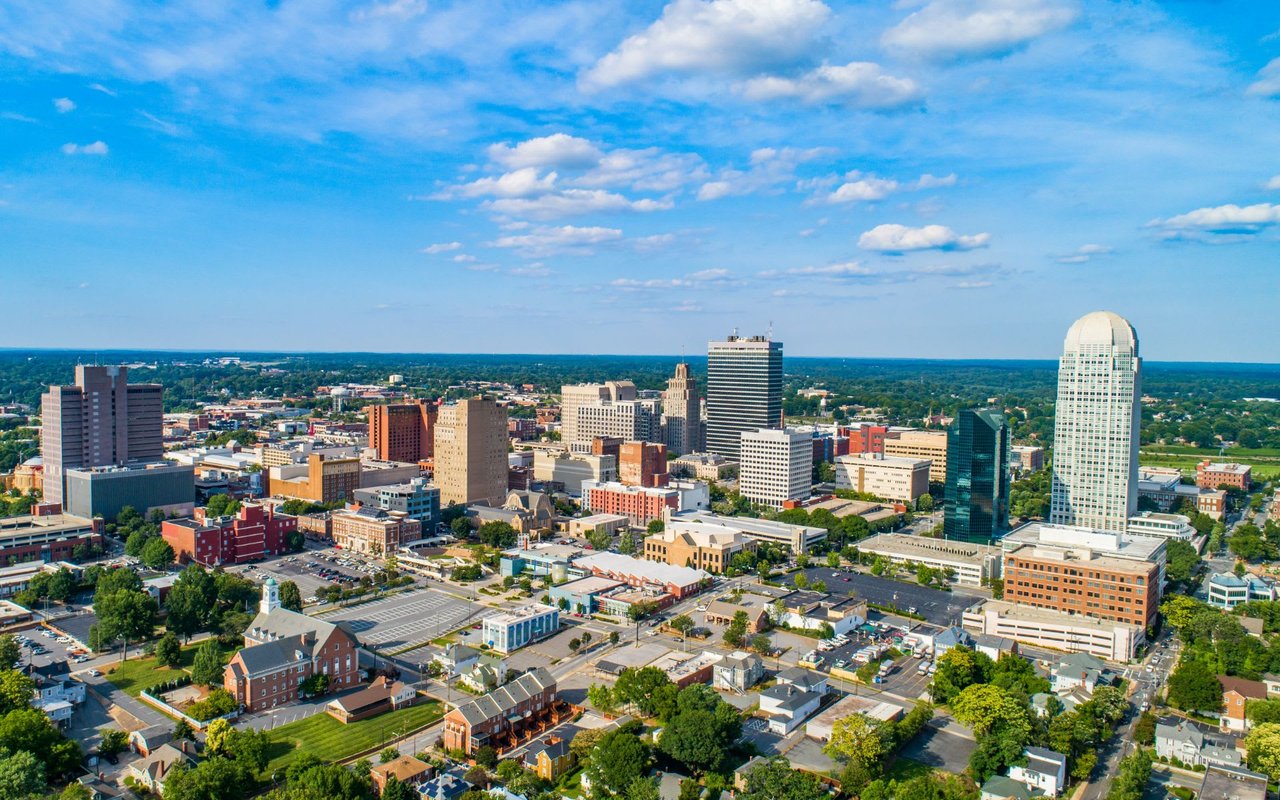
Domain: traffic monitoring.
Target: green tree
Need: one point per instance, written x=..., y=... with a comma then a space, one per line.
x=1194, y=687
x=222, y=505
x=602, y=698
x=1262, y=746
x=656, y=526
x=125, y=613
x=857, y=738
x=924, y=503
x=21, y=775
x=497, y=534
x=959, y=668
x=394, y=789
x=702, y=729
x=216, y=778
x=1144, y=731
x=10, y=651
x=618, y=760
x=683, y=624
x=157, y=553
x=642, y=789
x=1183, y=560
x=388, y=754
x=206, y=667
x=16, y=690
x=169, y=650
x=775, y=779
x=1131, y=777
x=29, y=729
x=290, y=596
x=112, y=741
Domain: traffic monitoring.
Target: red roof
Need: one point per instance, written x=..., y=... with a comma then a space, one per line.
x=1254, y=690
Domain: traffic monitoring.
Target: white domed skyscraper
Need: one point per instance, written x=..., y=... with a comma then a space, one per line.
x=1095, y=432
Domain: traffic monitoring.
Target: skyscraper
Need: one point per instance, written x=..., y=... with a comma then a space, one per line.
x=102, y=420
x=403, y=431
x=977, y=477
x=744, y=390
x=1095, y=432
x=777, y=466
x=682, y=413
x=471, y=452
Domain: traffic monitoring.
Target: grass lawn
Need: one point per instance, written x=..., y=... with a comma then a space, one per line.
x=1262, y=471
x=904, y=769
x=137, y=674
x=329, y=740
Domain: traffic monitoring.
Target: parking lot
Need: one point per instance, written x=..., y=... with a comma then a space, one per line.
x=47, y=640
x=304, y=569
x=936, y=606
x=944, y=744
x=406, y=620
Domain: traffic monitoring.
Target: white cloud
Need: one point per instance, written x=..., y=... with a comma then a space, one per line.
x=928, y=181
x=860, y=187
x=520, y=183
x=64, y=105
x=646, y=170
x=1268, y=83
x=561, y=239
x=1085, y=254
x=740, y=37
x=164, y=126
x=716, y=276
x=901, y=239
x=573, y=202
x=770, y=167
x=858, y=83
x=97, y=87
x=1274, y=183
x=442, y=247
x=557, y=150
x=464, y=258
x=958, y=29
x=535, y=270
x=973, y=284
x=1227, y=219
x=843, y=270
x=98, y=148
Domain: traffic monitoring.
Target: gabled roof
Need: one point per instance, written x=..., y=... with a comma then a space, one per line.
x=505, y=698
x=1255, y=690
x=270, y=656
x=1181, y=732
x=281, y=623
x=799, y=676
x=557, y=749
x=1003, y=787
x=1044, y=760
x=789, y=696
x=952, y=636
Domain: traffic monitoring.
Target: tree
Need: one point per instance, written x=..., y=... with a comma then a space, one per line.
x=10, y=651
x=460, y=527
x=497, y=534
x=1262, y=745
x=574, y=644
x=761, y=643
x=648, y=690
x=618, y=759
x=169, y=650
x=1131, y=777
x=388, y=754
x=487, y=757
x=986, y=708
x=701, y=730
x=1183, y=560
x=959, y=668
x=112, y=741
x=924, y=503
x=776, y=780
x=157, y=553
x=222, y=505
x=682, y=624
x=643, y=789
x=614, y=637
x=206, y=667
x=29, y=729
x=126, y=613
x=21, y=775
x=601, y=697
x=599, y=539
x=656, y=526
x=1194, y=687
x=736, y=632
x=583, y=742
x=217, y=778
x=856, y=738
x=1144, y=731
x=16, y=690
x=394, y=789
x=290, y=596
x=183, y=730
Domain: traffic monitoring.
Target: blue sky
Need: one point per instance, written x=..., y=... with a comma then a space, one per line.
x=948, y=178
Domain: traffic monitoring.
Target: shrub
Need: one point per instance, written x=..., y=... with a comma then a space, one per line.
x=218, y=702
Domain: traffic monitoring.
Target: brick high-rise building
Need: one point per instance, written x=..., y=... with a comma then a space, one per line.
x=471, y=452
x=403, y=431
x=865, y=438
x=682, y=413
x=101, y=420
x=642, y=464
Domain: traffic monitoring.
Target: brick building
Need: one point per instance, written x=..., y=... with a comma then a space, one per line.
x=1210, y=475
x=255, y=532
x=640, y=504
x=642, y=464
x=320, y=480
x=403, y=431
x=46, y=537
x=864, y=439
x=373, y=530
x=504, y=717
x=282, y=649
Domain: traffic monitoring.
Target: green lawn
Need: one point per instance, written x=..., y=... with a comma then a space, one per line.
x=904, y=769
x=1262, y=471
x=137, y=674
x=329, y=740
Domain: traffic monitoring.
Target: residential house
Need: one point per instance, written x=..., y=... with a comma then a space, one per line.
x=456, y=659
x=147, y=740
x=505, y=716
x=486, y=674
x=152, y=771
x=993, y=646
x=1273, y=683
x=1000, y=787
x=955, y=636
x=1079, y=669
x=282, y=649
x=378, y=697
x=1180, y=739
x=787, y=706
x=549, y=758
x=721, y=612
x=57, y=695
x=737, y=672
x=805, y=679
x=1236, y=694
x=812, y=610
x=406, y=769
x=1044, y=770
x=448, y=785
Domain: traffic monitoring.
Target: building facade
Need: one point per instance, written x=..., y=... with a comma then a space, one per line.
x=509, y=631
x=886, y=477
x=1215, y=475
x=682, y=413
x=569, y=472
x=627, y=420
x=775, y=466
x=503, y=717
x=471, y=452
x=403, y=431
x=921, y=444
x=1096, y=419
x=575, y=396
x=417, y=499
x=977, y=490
x=255, y=532
x=639, y=504
x=321, y=479
x=104, y=491
x=51, y=537
x=100, y=420
x=707, y=547
x=744, y=390
x=970, y=563
x=642, y=464
x=373, y=530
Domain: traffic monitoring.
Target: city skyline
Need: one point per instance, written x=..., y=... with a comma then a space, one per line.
x=677, y=169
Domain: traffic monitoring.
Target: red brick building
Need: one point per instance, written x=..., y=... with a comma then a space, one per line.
x=256, y=532
x=46, y=536
x=865, y=439
x=403, y=431
x=1212, y=476
x=642, y=464
x=640, y=504
x=282, y=649
x=504, y=717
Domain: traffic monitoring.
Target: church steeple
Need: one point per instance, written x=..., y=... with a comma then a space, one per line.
x=270, y=596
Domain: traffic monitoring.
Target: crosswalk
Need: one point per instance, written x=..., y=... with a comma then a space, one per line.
x=408, y=619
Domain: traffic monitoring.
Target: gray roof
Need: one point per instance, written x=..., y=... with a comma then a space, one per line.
x=1079, y=662
x=1044, y=760
x=997, y=642
x=505, y=698
x=790, y=697
x=282, y=623
x=1181, y=732
x=1003, y=787
x=954, y=635
x=272, y=655
x=801, y=677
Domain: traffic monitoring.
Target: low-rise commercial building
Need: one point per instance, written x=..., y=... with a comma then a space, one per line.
x=105, y=491
x=822, y=726
x=1233, y=783
x=639, y=504
x=1215, y=475
x=698, y=545
x=1114, y=641
x=705, y=466
x=679, y=582
x=568, y=472
x=928, y=445
x=798, y=538
x=1226, y=591
x=1161, y=526
x=1026, y=458
x=373, y=531
x=509, y=631
x=52, y=537
x=971, y=564
x=886, y=477
x=581, y=596
x=416, y=499
x=253, y=533
x=610, y=524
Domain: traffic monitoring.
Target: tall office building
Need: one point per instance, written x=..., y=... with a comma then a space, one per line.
x=977, y=477
x=471, y=452
x=575, y=396
x=102, y=420
x=777, y=466
x=1095, y=432
x=682, y=413
x=744, y=390
x=403, y=431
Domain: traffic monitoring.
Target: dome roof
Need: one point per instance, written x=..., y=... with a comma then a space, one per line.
x=1102, y=328
x=34, y=461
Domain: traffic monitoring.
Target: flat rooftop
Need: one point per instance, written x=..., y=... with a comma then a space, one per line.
x=758, y=527
x=654, y=571
x=517, y=614
x=921, y=547
x=1102, y=549
x=1043, y=616
x=19, y=526
x=590, y=585
x=1227, y=466
x=545, y=551
x=856, y=704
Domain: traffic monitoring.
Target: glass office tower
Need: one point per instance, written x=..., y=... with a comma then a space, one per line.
x=744, y=391
x=977, y=492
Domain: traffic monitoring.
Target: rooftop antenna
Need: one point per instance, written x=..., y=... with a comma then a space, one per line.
x=769, y=333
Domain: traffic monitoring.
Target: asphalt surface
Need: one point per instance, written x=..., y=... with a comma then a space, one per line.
x=404, y=620
x=936, y=606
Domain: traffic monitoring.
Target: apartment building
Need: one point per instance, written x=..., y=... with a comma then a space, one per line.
x=255, y=532
x=639, y=504
x=505, y=716
x=1215, y=475
x=921, y=445
x=886, y=477
x=1085, y=572
x=775, y=466
x=403, y=431
x=372, y=530
x=471, y=452
x=705, y=466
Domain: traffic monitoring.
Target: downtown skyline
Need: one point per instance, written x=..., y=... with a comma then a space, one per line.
x=473, y=178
